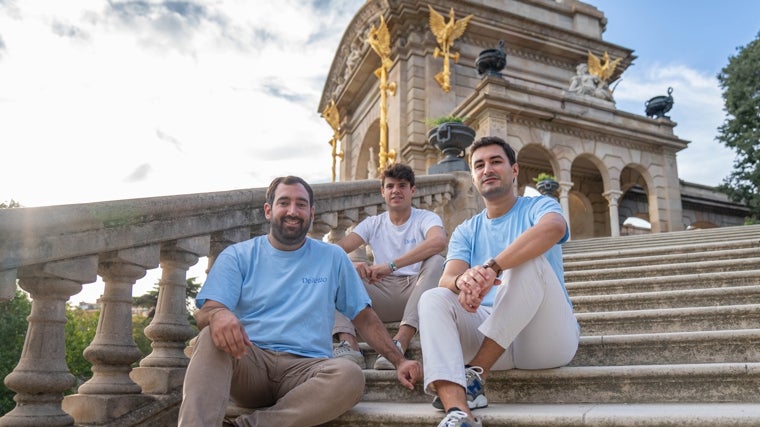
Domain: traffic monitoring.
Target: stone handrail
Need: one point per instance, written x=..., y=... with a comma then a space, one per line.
x=54, y=251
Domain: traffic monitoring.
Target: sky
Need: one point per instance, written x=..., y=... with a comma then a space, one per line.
x=104, y=100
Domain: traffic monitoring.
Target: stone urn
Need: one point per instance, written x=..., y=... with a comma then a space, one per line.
x=452, y=138
x=547, y=185
x=659, y=105
x=490, y=62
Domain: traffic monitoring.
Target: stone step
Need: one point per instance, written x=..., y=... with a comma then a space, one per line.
x=670, y=320
x=661, y=258
x=713, y=382
x=667, y=283
x=742, y=345
x=734, y=346
x=663, y=239
x=667, y=299
x=626, y=251
x=402, y=414
x=663, y=270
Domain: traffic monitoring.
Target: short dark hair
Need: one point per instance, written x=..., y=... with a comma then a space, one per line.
x=288, y=180
x=398, y=171
x=495, y=140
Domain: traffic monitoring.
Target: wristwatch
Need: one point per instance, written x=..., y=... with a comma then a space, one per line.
x=392, y=265
x=491, y=263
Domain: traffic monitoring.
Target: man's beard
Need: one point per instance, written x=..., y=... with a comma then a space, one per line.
x=287, y=236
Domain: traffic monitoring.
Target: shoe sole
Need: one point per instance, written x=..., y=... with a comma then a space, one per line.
x=479, y=402
x=383, y=365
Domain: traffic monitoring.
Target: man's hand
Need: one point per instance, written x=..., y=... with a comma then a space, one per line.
x=408, y=373
x=475, y=283
x=228, y=333
x=363, y=269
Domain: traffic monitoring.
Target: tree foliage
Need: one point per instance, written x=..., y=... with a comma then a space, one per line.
x=13, y=326
x=740, y=81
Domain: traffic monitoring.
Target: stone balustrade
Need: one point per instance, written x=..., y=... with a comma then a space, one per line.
x=53, y=251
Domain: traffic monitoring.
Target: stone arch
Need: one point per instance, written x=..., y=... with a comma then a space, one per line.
x=367, y=152
x=591, y=180
x=534, y=159
x=636, y=184
x=581, y=216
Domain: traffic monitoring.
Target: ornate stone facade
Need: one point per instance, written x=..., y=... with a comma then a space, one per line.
x=597, y=152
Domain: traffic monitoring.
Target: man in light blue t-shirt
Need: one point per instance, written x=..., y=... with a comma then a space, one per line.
x=501, y=302
x=266, y=316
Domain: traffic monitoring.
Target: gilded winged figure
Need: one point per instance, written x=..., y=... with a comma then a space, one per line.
x=445, y=33
x=602, y=68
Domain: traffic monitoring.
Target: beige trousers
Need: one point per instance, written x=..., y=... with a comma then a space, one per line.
x=285, y=389
x=395, y=298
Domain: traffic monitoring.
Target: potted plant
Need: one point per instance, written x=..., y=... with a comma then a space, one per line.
x=546, y=184
x=450, y=135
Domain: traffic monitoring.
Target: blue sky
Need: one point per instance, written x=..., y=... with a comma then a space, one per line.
x=104, y=100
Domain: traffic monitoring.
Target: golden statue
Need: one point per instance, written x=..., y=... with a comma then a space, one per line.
x=332, y=116
x=445, y=34
x=380, y=41
x=602, y=68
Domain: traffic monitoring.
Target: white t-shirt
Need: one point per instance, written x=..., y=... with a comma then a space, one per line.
x=389, y=241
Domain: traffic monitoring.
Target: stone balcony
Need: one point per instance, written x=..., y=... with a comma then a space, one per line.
x=52, y=252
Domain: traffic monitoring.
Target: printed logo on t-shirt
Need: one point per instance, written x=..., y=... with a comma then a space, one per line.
x=314, y=280
x=412, y=241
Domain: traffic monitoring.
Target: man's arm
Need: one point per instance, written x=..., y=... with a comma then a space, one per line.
x=351, y=242
x=534, y=242
x=373, y=330
x=434, y=243
x=226, y=330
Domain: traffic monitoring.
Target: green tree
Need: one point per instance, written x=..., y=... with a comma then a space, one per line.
x=81, y=326
x=149, y=299
x=740, y=81
x=13, y=326
x=11, y=204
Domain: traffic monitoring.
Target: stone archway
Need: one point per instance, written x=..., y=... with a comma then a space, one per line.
x=368, y=153
x=534, y=159
x=581, y=216
x=589, y=182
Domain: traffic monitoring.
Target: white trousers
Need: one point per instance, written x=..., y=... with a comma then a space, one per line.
x=531, y=318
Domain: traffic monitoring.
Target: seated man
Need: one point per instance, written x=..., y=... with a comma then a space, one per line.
x=406, y=243
x=475, y=322
x=266, y=315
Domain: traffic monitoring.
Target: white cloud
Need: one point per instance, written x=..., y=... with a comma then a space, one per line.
x=697, y=109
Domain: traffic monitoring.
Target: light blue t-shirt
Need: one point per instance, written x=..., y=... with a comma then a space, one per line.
x=286, y=300
x=390, y=241
x=495, y=234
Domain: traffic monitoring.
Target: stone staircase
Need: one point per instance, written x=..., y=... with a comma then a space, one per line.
x=670, y=329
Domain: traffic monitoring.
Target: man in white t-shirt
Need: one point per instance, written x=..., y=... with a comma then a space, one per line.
x=266, y=316
x=406, y=243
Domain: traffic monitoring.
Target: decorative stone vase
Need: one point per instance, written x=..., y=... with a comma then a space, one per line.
x=490, y=62
x=452, y=138
x=659, y=105
x=548, y=187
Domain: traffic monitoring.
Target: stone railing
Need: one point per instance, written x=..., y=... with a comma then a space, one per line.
x=51, y=252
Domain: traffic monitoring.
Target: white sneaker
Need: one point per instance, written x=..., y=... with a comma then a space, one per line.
x=459, y=419
x=383, y=364
x=344, y=350
x=476, y=397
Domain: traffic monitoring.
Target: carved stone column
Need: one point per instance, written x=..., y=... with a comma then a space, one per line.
x=613, y=196
x=111, y=393
x=41, y=376
x=163, y=370
x=564, y=202
x=323, y=224
x=346, y=219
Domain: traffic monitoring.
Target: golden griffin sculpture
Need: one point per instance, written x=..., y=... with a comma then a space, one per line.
x=445, y=34
x=603, y=68
x=380, y=40
x=332, y=116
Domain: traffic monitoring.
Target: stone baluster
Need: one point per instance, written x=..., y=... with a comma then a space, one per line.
x=111, y=393
x=219, y=241
x=346, y=219
x=323, y=224
x=163, y=370
x=612, y=196
x=42, y=376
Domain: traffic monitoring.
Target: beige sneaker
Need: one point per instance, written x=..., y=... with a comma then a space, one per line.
x=344, y=350
x=383, y=364
x=459, y=419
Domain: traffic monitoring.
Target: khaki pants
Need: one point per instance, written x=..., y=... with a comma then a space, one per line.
x=395, y=298
x=290, y=390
